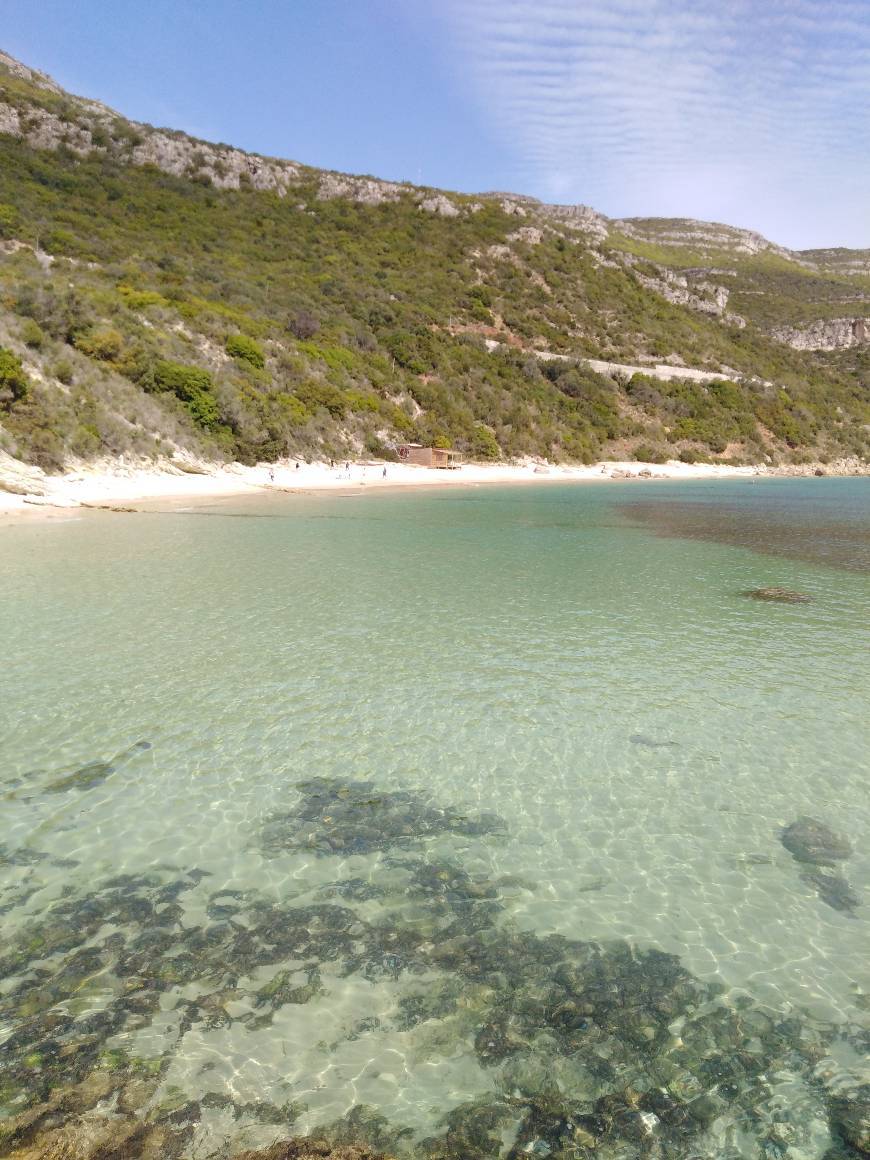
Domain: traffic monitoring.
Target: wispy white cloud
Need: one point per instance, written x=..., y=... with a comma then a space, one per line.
x=755, y=112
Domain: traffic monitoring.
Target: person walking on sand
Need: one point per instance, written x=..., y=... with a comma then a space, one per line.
x=384, y=474
x=271, y=474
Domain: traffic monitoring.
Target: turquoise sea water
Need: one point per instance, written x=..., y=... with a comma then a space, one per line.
x=554, y=711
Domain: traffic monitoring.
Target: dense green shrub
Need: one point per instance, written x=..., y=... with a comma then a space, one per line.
x=335, y=357
x=32, y=334
x=412, y=352
x=239, y=346
x=192, y=385
x=9, y=220
x=104, y=343
x=649, y=453
x=14, y=383
x=141, y=299
x=183, y=381
x=690, y=455
x=318, y=396
x=374, y=446
x=362, y=402
x=483, y=444
x=63, y=371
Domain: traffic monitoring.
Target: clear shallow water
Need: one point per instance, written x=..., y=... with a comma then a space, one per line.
x=576, y=660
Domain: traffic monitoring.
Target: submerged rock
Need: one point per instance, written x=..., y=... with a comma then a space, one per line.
x=76, y=1123
x=303, y=1148
x=650, y=742
x=850, y=1116
x=604, y=1049
x=832, y=888
x=809, y=840
x=355, y=817
x=87, y=776
x=780, y=595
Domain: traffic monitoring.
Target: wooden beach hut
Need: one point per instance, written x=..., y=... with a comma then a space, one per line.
x=430, y=456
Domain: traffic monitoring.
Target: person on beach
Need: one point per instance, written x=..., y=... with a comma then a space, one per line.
x=271, y=474
x=297, y=464
x=384, y=474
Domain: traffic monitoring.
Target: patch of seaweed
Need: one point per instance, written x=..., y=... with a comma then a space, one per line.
x=336, y=816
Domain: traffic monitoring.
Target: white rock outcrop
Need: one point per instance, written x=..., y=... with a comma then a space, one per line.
x=704, y=236
x=365, y=190
x=531, y=235
x=825, y=334
x=579, y=217
x=439, y=204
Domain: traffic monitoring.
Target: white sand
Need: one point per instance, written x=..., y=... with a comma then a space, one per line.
x=117, y=484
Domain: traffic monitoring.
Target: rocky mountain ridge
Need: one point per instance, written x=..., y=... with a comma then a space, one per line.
x=407, y=311
x=96, y=128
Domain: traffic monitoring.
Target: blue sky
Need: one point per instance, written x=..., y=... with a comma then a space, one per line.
x=752, y=112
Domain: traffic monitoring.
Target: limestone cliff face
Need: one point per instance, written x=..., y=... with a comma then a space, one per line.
x=16, y=69
x=97, y=129
x=578, y=217
x=839, y=260
x=86, y=127
x=689, y=288
x=826, y=334
x=45, y=117
x=708, y=237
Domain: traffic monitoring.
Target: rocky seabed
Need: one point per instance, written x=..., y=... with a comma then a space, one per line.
x=582, y=1049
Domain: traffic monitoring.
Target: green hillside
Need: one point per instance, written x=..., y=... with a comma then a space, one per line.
x=161, y=296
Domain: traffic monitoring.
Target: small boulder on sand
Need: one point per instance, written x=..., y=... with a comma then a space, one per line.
x=809, y=840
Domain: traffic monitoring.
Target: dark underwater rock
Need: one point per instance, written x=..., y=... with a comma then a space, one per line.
x=850, y=1116
x=94, y=773
x=778, y=595
x=303, y=1148
x=831, y=888
x=475, y=1131
x=809, y=840
x=68, y=1126
x=650, y=742
x=592, y=1049
x=355, y=817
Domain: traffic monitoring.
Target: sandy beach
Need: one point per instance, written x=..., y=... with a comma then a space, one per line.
x=117, y=484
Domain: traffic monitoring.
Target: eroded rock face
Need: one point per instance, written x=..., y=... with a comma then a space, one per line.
x=17, y=69
x=439, y=204
x=97, y=131
x=224, y=167
x=809, y=840
x=528, y=234
x=826, y=334
x=578, y=217
x=365, y=190
x=706, y=236
x=704, y=296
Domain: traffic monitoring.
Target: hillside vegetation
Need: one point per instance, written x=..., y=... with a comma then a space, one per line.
x=161, y=296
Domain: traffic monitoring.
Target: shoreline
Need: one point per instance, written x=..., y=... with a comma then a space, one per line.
x=115, y=485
